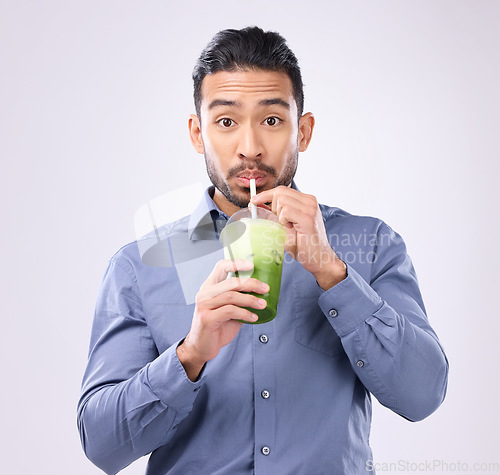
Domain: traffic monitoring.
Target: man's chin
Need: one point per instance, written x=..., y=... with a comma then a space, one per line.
x=240, y=201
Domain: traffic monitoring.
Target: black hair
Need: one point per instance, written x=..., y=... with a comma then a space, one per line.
x=248, y=49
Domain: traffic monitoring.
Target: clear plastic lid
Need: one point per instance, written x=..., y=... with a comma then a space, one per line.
x=235, y=226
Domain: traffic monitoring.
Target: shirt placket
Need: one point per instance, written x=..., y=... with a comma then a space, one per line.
x=264, y=345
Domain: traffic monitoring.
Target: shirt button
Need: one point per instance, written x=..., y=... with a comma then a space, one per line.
x=265, y=394
x=263, y=339
x=360, y=363
x=265, y=450
x=333, y=312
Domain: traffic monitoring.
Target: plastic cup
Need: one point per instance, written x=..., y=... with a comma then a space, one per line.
x=260, y=240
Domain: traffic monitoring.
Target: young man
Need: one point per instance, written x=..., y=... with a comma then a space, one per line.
x=206, y=393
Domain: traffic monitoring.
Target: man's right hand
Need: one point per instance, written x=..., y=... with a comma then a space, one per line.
x=216, y=314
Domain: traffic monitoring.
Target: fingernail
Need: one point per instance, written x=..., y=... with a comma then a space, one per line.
x=262, y=303
x=265, y=287
x=244, y=263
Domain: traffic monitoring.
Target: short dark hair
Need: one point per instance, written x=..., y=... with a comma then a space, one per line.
x=248, y=49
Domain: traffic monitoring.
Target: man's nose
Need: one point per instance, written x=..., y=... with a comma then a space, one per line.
x=250, y=145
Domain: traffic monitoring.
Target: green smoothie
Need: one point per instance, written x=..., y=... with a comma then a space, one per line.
x=262, y=242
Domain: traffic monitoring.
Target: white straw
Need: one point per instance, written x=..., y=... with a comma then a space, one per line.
x=253, y=192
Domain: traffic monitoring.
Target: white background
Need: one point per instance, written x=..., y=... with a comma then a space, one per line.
x=94, y=100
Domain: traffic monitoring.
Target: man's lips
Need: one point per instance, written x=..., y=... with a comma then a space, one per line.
x=245, y=177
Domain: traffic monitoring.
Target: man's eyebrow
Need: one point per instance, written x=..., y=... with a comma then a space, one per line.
x=264, y=102
x=277, y=101
x=222, y=103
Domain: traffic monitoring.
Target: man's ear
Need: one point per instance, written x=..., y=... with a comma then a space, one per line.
x=195, y=133
x=306, y=126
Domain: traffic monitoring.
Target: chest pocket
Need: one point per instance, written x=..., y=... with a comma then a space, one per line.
x=311, y=326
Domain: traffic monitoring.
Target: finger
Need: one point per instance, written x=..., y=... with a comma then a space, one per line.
x=295, y=201
x=235, y=284
x=274, y=204
x=232, y=312
x=304, y=208
x=225, y=266
x=264, y=206
x=239, y=284
x=293, y=217
x=263, y=197
x=280, y=193
x=267, y=195
x=291, y=210
x=237, y=299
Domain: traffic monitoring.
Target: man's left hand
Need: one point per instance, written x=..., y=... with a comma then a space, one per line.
x=306, y=238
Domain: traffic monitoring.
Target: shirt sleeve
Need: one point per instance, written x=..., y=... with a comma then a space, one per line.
x=132, y=397
x=385, y=332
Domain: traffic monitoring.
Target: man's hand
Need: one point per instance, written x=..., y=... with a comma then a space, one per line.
x=218, y=307
x=306, y=235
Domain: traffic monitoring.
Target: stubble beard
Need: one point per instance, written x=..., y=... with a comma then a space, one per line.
x=241, y=197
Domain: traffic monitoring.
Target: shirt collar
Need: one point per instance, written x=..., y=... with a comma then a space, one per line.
x=201, y=221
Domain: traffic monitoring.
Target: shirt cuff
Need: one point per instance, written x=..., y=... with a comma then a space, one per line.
x=168, y=380
x=349, y=303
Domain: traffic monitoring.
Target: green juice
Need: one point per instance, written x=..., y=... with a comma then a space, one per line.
x=262, y=242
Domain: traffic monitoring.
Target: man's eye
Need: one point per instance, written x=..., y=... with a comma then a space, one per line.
x=226, y=122
x=272, y=121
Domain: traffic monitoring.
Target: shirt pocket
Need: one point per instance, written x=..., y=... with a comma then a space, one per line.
x=311, y=326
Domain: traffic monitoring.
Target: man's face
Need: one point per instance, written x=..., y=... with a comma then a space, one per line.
x=249, y=129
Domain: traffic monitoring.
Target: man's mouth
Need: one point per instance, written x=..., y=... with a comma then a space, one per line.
x=244, y=178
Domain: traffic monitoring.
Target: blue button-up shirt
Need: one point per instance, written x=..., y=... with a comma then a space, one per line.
x=291, y=396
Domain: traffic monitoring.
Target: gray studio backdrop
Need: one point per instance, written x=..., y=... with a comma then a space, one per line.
x=94, y=101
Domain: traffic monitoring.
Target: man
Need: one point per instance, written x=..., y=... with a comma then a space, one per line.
x=204, y=392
